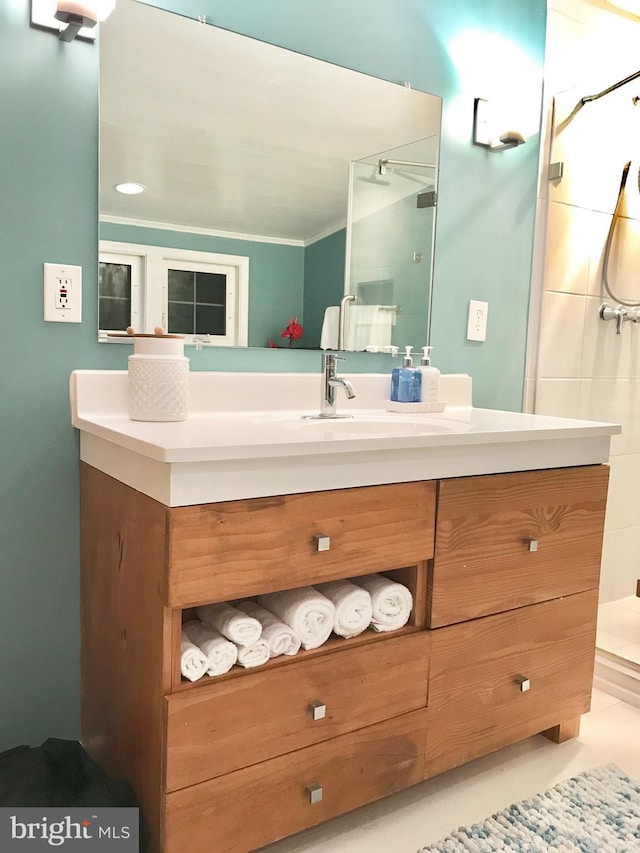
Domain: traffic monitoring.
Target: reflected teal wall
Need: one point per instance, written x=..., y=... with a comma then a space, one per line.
x=276, y=272
x=284, y=281
x=323, y=282
x=48, y=212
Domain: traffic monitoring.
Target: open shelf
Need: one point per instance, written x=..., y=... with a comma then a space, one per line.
x=413, y=577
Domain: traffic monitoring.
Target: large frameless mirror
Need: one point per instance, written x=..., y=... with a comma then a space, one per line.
x=274, y=184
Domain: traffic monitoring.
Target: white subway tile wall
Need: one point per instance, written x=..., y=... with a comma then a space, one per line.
x=584, y=369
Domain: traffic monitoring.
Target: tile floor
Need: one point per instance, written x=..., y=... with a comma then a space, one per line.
x=427, y=812
x=619, y=628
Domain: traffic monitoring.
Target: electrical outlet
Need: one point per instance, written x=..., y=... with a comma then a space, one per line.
x=477, y=322
x=62, y=293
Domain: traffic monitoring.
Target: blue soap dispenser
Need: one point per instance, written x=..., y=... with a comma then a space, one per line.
x=405, y=381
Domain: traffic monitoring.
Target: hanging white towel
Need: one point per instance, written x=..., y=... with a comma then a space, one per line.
x=309, y=613
x=329, y=334
x=366, y=326
x=231, y=623
x=193, y=661
x=256, y=654
x=282, y=639
x=353, y=607
x=221, y=654
x=391, y=602
x=369, y=325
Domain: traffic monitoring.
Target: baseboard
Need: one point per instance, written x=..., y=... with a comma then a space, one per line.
x=617, y=677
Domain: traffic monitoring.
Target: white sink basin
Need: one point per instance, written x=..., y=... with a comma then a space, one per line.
x=367, y=425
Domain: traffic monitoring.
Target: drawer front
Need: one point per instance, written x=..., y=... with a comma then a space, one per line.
x=508, y=540
x=225, y=551
x=476, y=703
x=252, y=807
x=220, y=728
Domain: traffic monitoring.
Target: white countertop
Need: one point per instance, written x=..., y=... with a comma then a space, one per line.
x=246, y=437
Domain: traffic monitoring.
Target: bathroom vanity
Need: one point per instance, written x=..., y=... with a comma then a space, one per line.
x=494, y=520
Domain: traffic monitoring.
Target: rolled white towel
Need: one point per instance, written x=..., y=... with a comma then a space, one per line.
x=353, y=607
x=309, y=613
x=193, y=661
x=391, y=602
x=221, y=654
x=231, y=623
x=254, y=655
x=282, y=639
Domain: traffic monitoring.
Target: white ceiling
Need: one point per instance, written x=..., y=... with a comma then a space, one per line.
x=231, y=134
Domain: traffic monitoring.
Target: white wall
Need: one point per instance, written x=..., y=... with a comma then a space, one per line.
x=578, y=366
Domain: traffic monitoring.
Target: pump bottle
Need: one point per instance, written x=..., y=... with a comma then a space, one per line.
x=430, y=376
x=406, y=381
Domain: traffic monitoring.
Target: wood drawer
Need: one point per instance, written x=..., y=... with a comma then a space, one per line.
x=220, y=728
x=482, y=561
x=475, y=702
x=226, y=551
x=252, y=807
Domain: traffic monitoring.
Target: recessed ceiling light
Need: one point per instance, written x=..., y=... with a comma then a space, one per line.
x=130, y=188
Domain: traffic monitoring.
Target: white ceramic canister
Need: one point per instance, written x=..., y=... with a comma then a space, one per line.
x=158, y=378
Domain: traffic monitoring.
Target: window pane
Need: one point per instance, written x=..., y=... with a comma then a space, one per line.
x=114, y=314
x=114, y=280
x=114, y=289
x=210, y=320
x=180, y=318
x=211, y=288
x=181, y=284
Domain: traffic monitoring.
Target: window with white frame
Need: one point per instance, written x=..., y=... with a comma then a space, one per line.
x=201, y=295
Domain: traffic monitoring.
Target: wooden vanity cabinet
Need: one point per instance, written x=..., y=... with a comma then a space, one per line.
x=500, y=644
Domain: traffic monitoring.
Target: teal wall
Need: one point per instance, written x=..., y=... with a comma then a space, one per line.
x=48, y=212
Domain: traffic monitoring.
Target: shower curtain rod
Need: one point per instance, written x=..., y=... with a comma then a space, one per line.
x=588, y=98
x=606, y=91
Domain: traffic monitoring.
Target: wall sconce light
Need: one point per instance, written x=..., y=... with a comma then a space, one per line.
x=70, y=18
x=487, y=134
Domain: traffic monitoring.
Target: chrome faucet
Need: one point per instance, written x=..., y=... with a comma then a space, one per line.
x=620, y=315
x=330, y=381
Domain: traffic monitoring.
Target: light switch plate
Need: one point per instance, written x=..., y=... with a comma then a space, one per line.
x=62, y=293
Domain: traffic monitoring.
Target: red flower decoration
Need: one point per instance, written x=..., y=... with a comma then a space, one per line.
x=293, y=331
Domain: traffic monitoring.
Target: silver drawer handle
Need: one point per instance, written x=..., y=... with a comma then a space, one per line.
x=323, y=543
x=532, y=544
x=314, y=791
x=318, y=710
x=523, y=682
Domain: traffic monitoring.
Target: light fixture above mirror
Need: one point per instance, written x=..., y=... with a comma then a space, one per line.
x=490, y=128
x=70, y=18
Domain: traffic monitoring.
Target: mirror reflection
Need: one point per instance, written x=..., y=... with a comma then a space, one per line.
x=271, y=189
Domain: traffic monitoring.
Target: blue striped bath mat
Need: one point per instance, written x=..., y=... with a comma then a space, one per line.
x=595, y=812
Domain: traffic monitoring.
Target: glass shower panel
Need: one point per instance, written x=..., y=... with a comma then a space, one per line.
x=391, y=232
